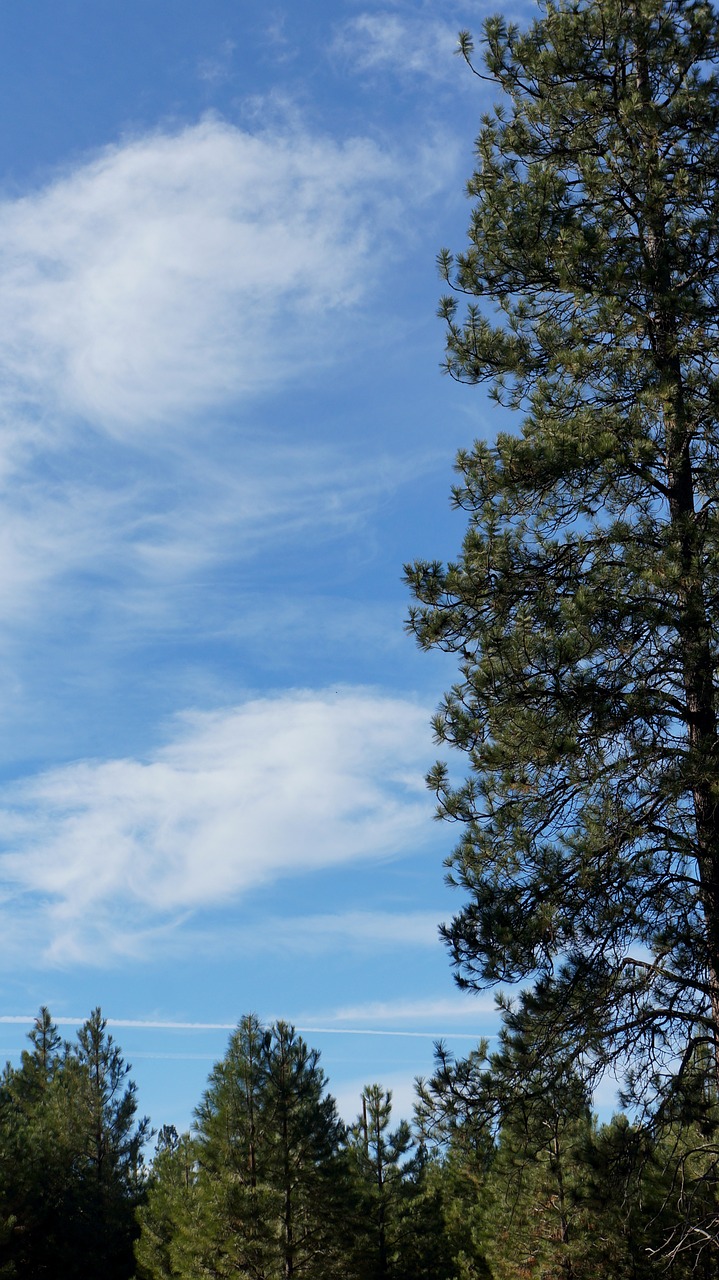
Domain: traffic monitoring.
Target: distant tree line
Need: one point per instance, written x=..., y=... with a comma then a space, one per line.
x=486, y=1184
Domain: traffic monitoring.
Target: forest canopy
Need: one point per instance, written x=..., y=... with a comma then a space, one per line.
x=271, y=1183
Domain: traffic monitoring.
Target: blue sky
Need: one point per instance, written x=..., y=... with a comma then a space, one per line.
x=222, y=431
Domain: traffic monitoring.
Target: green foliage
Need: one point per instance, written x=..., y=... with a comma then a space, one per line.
x=105, y=1107
x=71, y=1171
x=535, y=1221
x=515, y=1135
x=304, y=1136
x=378, y=1154
x=532, y=1186
x=260, y=1188
x=165, y=1207
x=494, y=1184
x=621, y=1199
x=583, y=608
x=453, y=1118
x=398, y=1216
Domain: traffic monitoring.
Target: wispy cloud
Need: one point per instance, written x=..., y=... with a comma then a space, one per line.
x=406, y=44
x=149, y=296
x=101, y=857
x=359, y=932
x=179, y=271
x=416, y=1010
x=218, y=68
x=143, y=534
x=275, y=34
x=165, y=1024
x=360, y=929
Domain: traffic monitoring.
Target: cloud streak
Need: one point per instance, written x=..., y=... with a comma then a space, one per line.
x=153, y=1024
x=416, y=1010
x=110, y=855
x=327, y=1024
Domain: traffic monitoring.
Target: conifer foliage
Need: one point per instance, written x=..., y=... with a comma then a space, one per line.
x=71, y=1171
x=261, y=1188
x=378, y=1153
x=584, y=608
x=271, y=1184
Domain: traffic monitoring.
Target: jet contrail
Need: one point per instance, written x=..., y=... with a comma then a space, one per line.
x=150, y=1025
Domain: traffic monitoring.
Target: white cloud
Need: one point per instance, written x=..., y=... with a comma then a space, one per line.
x=180, y=271
x=359, y=929
x=269, y=496
x=216, y=70
x=362, y=932
x=166, y=281
x=138, y=537
x=139, y=1024
x=108, y=854
x=406, y=45
x=417, y=1010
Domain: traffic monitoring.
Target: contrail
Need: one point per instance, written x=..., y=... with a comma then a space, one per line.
x=149, y=1025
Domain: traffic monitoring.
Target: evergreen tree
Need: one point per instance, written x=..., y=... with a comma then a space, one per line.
x=378, y=1155
x=40, y=1064
x=167, y=1210
x=680, y=1177
x=70, y=1158
x=532, y=1185
x=451, y=1118
x=517, y=1158
x=424, y=1249
x=584, y=607
x=260, y=1189
x=304, y=1135
x=630, y=1194
x=238, y=1205
x=106, y=1104
x=38, y=1193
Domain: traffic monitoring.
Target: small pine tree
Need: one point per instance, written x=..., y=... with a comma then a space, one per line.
x=379, y=1154
x=261, y=1187
x=66, y=1211
x=167, y=1212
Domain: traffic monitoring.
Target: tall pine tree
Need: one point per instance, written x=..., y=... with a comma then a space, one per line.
x=584, y=608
